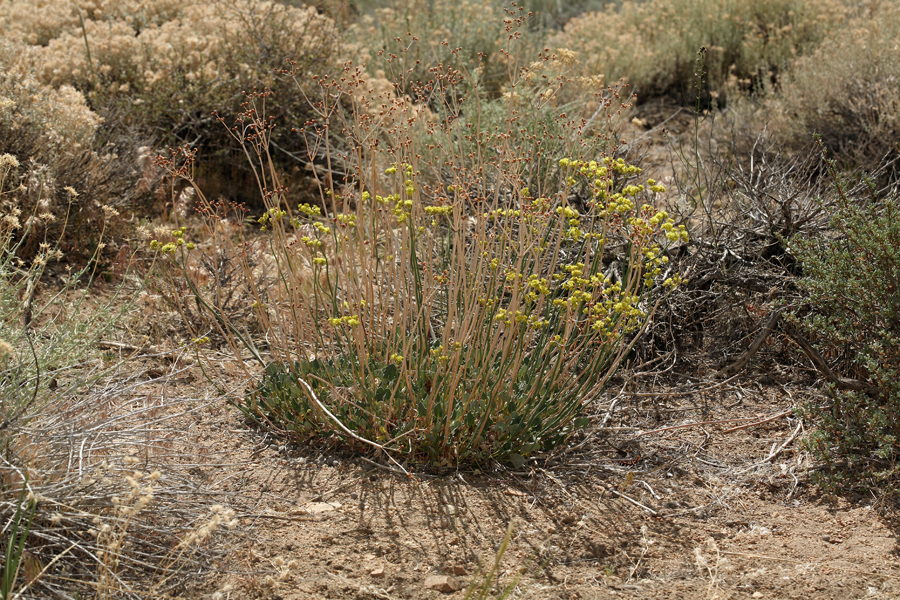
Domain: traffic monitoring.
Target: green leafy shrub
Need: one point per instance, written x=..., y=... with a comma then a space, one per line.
x=850, y=280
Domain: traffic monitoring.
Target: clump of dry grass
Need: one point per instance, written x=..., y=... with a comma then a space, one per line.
x=92, y=468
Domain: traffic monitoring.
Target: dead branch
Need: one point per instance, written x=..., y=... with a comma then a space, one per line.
x=844, y=383
x=772, y=418
x=741, y=362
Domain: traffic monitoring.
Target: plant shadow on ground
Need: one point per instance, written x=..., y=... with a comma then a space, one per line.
x=724, y=520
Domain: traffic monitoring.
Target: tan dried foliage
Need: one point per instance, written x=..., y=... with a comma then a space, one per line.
x=654, y=44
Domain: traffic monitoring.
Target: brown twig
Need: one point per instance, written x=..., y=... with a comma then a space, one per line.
x=694, y=425
x=844, y=383
x=635, y=502
x=741, y=362
x=766, y=420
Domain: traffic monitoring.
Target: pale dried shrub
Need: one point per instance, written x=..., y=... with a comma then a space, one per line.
x=410, y=37
x=39, y=21
x=62, y=113
x=163, y=68
x=847, y=92
x=654, y=44
x=61, y=180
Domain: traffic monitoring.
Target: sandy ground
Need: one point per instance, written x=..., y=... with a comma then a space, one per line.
x=626, y=511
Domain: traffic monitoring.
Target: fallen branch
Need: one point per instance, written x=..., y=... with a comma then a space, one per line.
x=741, y=362
x=766, y=420
x=844, y=383
x=695, y=425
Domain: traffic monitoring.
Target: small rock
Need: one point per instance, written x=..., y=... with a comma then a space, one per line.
x=354, y=495
x=551, y=530
x=826, y=538
x=321, y=507
x=458, y=570
x=377, y=572
x=450, y=510
x=442, y=583
x=335, y=463
x=569, y=519
x=757, y=595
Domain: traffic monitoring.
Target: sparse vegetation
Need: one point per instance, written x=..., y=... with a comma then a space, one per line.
x=428, y=234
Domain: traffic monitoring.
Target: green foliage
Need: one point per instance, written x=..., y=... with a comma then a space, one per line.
x=15, y=546
x=851, y=280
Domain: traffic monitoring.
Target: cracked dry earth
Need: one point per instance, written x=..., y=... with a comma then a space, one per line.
x=690, y=512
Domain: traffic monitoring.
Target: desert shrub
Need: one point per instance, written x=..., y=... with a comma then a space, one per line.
x=847, y=92
x=60, y=177
x=163, y=67
x=850, y=283
x=409, y=38
x=654, y=43
x=444, y=310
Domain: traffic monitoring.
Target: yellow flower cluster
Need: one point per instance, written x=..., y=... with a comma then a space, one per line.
x=439, y=210
x=351, y=320
x=171, y=247
x=511, y=317
x=346, y=219
x=273, y=214
x=311, y=211
x=311, y=242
